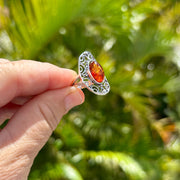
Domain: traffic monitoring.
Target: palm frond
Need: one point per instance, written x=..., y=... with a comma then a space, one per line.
x=36, y=22
x=114, y=160
x=56, y=171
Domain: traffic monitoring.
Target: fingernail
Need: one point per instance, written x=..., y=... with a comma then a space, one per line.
x=74, y=98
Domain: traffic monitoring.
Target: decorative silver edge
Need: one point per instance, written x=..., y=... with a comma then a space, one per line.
x=83, y=67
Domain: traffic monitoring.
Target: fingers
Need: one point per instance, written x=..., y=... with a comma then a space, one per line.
x=7, y=111
x=21, y=100
x=3, y=60
x=27, y=78
x=31, y=126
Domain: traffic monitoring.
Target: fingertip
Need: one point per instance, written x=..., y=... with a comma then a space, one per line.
x=73, y=74
x=81, y=94
x=74, y=98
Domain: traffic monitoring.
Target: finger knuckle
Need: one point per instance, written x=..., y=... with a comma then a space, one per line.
x=49, y=115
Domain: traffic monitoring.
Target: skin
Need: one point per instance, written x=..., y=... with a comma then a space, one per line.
x=34, y=96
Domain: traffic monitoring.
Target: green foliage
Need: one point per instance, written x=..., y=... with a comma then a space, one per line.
x=131, y=133
x=113, y=160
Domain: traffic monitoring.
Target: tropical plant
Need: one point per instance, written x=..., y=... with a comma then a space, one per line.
x=131, y=133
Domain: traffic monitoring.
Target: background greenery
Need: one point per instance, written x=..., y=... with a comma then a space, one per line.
x=133, y=132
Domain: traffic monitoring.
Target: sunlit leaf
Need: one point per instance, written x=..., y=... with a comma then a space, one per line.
x=116, y=159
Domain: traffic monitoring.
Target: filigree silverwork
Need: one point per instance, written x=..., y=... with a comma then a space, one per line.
x=86, y=79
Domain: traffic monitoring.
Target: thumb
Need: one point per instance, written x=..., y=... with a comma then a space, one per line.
x=29, y=129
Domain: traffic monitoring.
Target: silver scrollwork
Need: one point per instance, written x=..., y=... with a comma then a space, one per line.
x=83, y=67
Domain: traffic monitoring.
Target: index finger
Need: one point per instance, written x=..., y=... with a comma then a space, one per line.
x=27, y=77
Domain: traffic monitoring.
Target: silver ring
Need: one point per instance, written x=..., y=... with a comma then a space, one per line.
x=91, y=75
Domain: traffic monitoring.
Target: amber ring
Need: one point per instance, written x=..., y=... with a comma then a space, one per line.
x=91, y=75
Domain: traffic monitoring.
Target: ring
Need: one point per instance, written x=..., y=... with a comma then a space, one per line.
x=91, y=75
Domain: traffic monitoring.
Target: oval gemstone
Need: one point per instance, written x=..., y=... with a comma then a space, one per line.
x=96, y=71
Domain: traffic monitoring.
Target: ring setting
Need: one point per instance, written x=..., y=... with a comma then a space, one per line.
x=91, y=75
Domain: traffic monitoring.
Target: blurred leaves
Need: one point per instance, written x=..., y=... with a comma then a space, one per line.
x=133, y=132
x=35, y=22
x=113, y=160
x=57, y=171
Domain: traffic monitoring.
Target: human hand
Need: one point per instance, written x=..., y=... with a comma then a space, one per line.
x=34, y=96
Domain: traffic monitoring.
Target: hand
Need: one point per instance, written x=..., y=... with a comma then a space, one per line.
x=34, y=96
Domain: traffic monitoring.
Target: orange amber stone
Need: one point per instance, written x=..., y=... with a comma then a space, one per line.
x=96, y=71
